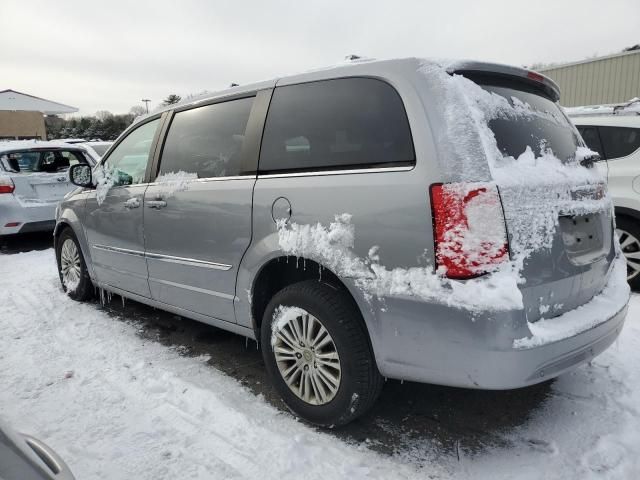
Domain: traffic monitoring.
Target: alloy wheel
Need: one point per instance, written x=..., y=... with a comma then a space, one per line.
x=307, y=358
x=70, y=265
x=630, y=246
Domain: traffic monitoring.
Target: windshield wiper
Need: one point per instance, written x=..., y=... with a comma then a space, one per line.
x=589, y=160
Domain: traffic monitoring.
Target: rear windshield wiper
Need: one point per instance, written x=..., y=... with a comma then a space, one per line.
x=589, y=160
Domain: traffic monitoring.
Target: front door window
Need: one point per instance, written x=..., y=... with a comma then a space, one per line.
x=127, y=163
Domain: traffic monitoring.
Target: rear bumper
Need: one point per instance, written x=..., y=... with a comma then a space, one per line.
x=463, y=365
x=447, y=346
x=28, y=217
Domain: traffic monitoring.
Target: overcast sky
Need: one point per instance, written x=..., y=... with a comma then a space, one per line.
x=108, y=55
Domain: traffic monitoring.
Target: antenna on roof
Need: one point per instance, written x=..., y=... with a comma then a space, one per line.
x=234, y=85
x=352, y=57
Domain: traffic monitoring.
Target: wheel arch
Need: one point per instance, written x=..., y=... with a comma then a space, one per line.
x=282, y=271
x=71, y=222
x=627, y=212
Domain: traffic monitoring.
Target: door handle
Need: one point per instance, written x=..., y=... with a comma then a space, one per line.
x=157, y=204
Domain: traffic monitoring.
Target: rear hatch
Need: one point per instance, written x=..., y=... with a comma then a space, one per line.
x=557, y=213
x=39, y=176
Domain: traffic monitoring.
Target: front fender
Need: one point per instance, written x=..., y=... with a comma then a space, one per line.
x=70, y=215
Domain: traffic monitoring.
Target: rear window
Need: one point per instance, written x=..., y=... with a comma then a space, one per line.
x=53, y=161
x=336, y=124
x=548, y=129
x=619, y=141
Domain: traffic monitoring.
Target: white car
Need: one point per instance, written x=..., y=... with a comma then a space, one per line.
x=72, y=140
x=614, y=132
x=33, y=179
x=96, y=149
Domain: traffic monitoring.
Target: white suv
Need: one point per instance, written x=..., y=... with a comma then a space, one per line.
x=614, y=132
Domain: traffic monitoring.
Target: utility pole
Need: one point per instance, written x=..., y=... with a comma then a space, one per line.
x=146, y=103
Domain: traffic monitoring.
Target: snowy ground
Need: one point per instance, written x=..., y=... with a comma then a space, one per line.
x=117, y=404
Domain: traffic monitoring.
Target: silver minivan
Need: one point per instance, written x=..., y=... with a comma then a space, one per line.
x=409, y=219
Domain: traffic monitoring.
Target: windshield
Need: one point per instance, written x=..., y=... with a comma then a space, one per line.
x=100, y=149
x=543, y=128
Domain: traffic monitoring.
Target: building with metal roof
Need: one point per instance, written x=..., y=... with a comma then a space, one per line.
x=611, y=79
x=22, y=115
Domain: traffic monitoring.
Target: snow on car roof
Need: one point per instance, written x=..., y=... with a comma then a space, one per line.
x=96, y=143
x=11, y=145
x=632, y=107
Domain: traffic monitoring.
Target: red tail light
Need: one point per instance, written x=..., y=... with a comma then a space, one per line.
x=6, y=185
x=469, y=228
x=535, y=76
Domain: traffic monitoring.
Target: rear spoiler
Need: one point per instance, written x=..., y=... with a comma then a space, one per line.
x=535, y=79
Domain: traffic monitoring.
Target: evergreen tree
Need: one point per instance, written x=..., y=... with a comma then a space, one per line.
x=171, y=99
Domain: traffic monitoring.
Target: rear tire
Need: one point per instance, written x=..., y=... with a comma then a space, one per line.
x=628, y=230
x=72, y=268
x=338, y=369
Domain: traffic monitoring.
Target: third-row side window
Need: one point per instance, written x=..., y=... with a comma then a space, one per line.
x=335, y=124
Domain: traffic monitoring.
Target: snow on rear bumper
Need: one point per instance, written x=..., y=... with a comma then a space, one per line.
x=447, y=346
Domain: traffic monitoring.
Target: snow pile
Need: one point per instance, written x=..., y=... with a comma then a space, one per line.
x=104, y=179
x=475, y=236
x=332, y=246
x=281, y=317
x=133, y=202
x=174, y=182
x=170, y=183
x=72, y=285
x=632, y=107
x=117, y=406
x=613, y=298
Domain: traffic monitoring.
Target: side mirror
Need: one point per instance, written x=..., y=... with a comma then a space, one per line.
x=80, y=175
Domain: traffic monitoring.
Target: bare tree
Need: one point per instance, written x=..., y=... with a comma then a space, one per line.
x=137, y=110
x=102, y=115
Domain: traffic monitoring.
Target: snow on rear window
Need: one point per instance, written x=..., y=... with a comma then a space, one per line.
x=535, y=183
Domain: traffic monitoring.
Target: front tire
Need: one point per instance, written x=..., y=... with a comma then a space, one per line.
x=72, y=268
x=316, y=350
